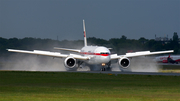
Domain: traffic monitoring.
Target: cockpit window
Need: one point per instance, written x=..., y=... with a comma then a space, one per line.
x=104, y=53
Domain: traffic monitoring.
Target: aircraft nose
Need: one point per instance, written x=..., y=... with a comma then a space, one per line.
x=106, y=59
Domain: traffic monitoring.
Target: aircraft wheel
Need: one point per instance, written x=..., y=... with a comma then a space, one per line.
x=103, y=69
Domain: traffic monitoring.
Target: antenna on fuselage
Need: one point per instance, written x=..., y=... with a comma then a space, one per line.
x=85, y=40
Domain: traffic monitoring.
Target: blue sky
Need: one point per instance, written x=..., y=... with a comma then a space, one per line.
x=104, y=19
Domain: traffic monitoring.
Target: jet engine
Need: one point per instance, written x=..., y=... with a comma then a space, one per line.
x=124, y=62
x=70, y=62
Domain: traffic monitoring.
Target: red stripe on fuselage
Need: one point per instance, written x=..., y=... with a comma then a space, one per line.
x=87, y=53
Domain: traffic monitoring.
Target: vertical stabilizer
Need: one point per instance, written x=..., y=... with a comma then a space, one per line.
x=85, y=40
x=169, y=55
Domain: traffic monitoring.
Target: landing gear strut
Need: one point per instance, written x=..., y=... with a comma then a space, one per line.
x=79, y=63
x=106, y=67
x=103, y=69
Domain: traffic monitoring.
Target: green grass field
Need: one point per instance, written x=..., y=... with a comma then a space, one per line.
x=63, y=86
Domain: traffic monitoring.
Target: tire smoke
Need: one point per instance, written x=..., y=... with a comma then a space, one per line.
x=139, y=64
x=144, y=64
x=22, y=62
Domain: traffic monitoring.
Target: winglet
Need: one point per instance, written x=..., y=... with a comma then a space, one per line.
x=85, y=40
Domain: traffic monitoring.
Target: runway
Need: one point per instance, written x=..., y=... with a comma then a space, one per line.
x=9, y=66
x=130, y=73
x=110, y=72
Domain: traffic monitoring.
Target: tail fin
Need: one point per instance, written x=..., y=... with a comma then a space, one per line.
x=85, y=40
x=169, y=55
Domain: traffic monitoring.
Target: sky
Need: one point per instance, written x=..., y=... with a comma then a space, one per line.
x=104, y=19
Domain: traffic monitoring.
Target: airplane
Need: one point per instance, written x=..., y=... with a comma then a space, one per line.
x=98, y=58
x=168, y=59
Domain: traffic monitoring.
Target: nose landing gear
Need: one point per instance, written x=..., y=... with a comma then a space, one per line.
x=103, y=69
x=106, y=67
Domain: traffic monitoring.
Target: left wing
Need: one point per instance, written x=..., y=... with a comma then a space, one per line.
x=142, y=53
x=52, y=54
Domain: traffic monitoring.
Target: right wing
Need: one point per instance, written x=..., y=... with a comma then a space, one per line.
x=51, y=54
x=141, y=53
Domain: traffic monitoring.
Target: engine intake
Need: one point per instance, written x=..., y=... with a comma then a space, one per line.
x=70, y=62
x=124, y=62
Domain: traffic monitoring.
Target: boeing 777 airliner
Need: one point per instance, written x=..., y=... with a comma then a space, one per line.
x=96, y=57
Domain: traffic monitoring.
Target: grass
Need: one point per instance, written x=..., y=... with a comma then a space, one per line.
x=65, y=86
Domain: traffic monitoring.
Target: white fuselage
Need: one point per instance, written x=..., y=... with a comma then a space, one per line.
x=97, y=54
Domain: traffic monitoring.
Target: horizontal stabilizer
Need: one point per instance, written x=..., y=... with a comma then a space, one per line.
x=66, y=49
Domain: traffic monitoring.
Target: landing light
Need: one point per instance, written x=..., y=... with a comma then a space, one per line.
x=103, y=64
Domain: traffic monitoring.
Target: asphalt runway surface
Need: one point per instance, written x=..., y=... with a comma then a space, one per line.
x=119, y=72
x=110, y=72
x=104, y=72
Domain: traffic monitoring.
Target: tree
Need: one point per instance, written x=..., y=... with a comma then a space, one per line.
x=175, y=37
x=175, y=42
x=142, y=40
x=123, y=37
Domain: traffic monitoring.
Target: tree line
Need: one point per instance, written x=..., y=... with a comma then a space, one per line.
x=120, y=45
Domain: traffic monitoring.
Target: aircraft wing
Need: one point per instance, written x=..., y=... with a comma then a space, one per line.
x=141, y=53
x=51, y=54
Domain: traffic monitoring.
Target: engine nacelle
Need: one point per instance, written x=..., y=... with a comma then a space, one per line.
x=70, y=62
x=124, y=62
